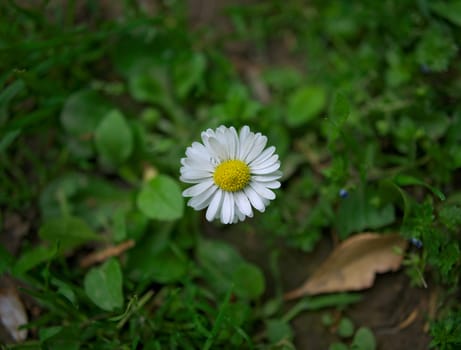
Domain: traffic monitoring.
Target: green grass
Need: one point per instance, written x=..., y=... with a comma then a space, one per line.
x=96, y=112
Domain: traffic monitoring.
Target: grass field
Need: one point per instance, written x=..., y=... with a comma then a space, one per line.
x=99, y=102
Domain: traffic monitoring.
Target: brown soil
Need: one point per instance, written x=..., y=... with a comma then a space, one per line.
x=395, y=311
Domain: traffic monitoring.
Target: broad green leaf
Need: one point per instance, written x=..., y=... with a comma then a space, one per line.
x=114, y=139
x=103, y=285
x=188, y=74
x=451, y=10
x=56, y=196
x=363, y=340
x=161, y=199
x=148, y=83
x=224, y=267
x=219, y=261
x=80, y=116
x=68, y=231
x=304, y=105
x=248, y=281
x=164, y=266
x=119, y=226
x=278, y=330
x=359, y=211
x=90, y=198
x=345, y=327
x=33, y=257
x=338, y=346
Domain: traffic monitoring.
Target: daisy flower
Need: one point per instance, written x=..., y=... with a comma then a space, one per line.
x=232, y=173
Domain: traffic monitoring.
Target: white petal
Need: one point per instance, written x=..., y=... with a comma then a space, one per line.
x=198, y=189
x=194, y=174
x=264, y=164
x=262, y=190
x=242, y=216
x=219, y=148
x=243, y=203
x=197, y=150
x=268, y=177
x=267, y=170
x=202, y=200
x=227, y=209
x=263, y=156
x=215, y=205
x=255, y=199
x=271, y=184
x=198, y=164
x=232, y=143
x=246, y=142
x=259, y=144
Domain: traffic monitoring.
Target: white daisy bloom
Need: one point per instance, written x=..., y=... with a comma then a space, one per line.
x=232, y=173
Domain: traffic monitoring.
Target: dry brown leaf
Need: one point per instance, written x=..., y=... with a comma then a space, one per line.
x=353, y=264
x=12, y=313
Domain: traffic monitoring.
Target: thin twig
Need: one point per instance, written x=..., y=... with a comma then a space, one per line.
x=102, y=255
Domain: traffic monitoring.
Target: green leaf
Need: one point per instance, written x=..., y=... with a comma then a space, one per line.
x=223, y=268
x=363, y=340
x=188, y=74
x=338, y=346
x=164, y=266
x=249, y=282
x=446, y=331
x=451, y=10
x=8, y=139
x=361, y=211
x=114, y=139
x=6, y=95
x=33, y=257
x=6, y=260
x=450, y=216
x=278, y=330
x=80, y=116
x=161, y=199
x=103, y=285
x=218, y=261
x=69, y=231
x=320, y=302
x=60, y=338
x=407, y=180
x=304, y=104
x=119, y=226
x=436, y=49
x=345, y=328
x=148, y=83
x=340, y=109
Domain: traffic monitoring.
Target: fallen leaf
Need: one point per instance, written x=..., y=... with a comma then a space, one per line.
x=353, y=264
x=12, y=313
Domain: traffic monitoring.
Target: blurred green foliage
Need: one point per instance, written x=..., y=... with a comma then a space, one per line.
x=362, y=101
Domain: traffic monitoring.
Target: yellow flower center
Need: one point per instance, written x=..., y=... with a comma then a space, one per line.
x=232, y=175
